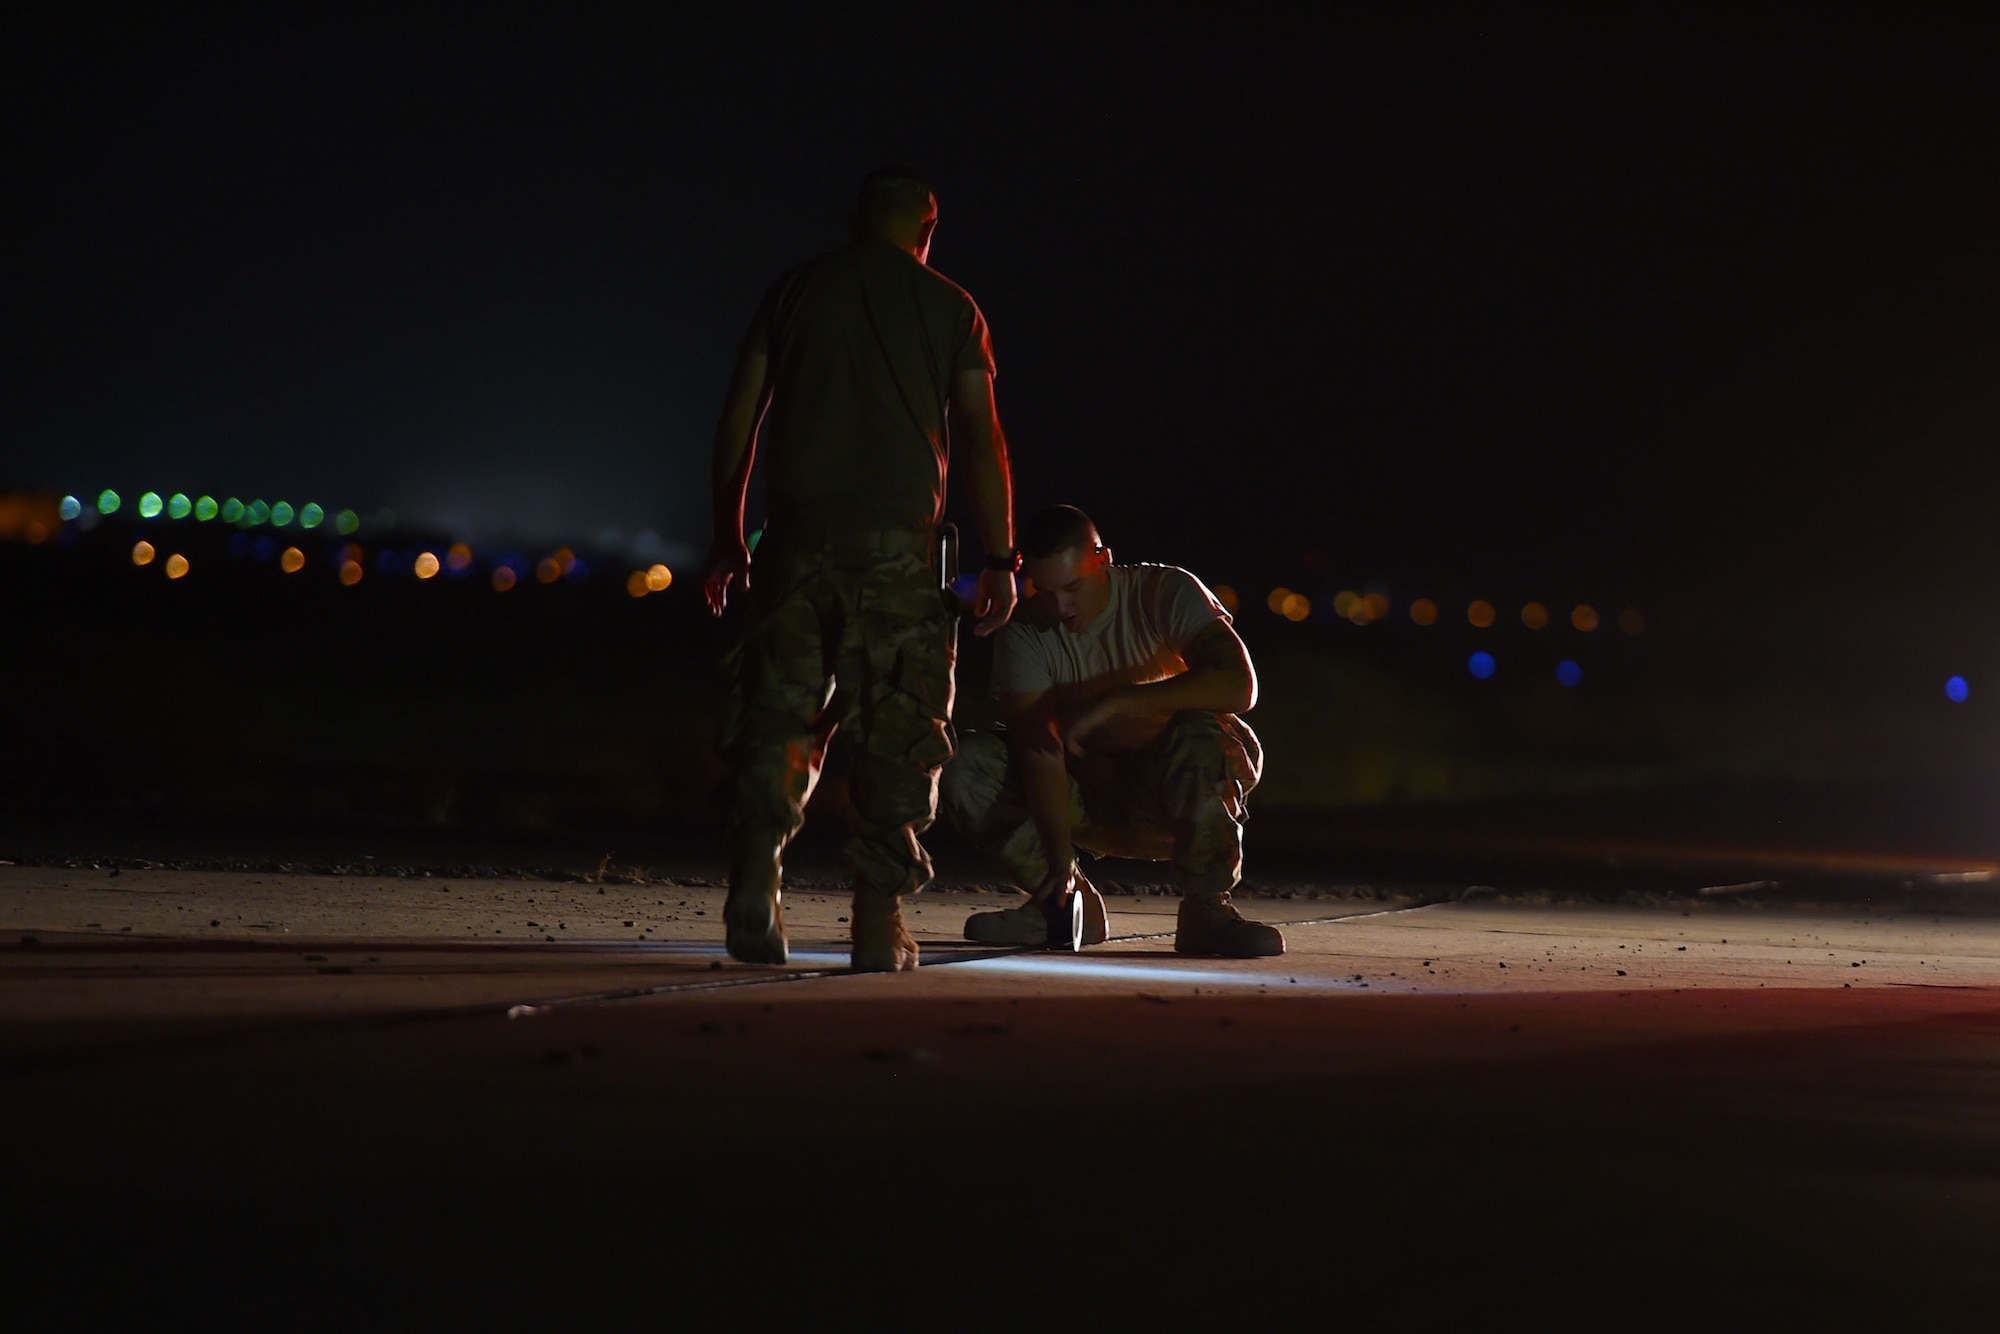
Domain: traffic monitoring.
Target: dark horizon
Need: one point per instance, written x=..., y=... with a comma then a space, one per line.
x=1641, y=309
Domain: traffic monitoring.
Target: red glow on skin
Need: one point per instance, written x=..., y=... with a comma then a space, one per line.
x=1076, y=581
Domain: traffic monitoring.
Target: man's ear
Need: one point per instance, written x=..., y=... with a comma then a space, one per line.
x=1104, y=556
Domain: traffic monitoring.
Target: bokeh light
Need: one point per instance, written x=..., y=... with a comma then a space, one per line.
x=565, y=558
x=547, y=570
x=179, y=506
x=1378, y=605
x=142, y=553
x=150, y=505
x=459, y=558
x=350, y=572
x=177, y=565
x=108, y=502
x=1297, y=607
x=1584, y=618
x=1568, y=673
x=1424, y=611
x=427, y=565
x=659, y=578
x=352, y=551
x=1482, y=665
x=503, y=578
x=206, y=508
x=1632, y=622
x=1480, y=613
x=345, y=522
x=1227, y=597
x=1534, y=616
x=1276, y=602
x=312, y=516
x=1343, y=603
x=388, y=562
x=264, y=548
x=256, y=513
x=292, y=561
x=71, y=507
x=232, y=510
x=1956, y=690
x=281, y=514
x=635, y=584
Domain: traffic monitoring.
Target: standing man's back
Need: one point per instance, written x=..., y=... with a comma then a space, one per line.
x=852, y=368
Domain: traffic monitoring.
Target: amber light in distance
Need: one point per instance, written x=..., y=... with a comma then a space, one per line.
x=1584, y=618
x=1534, y=616
x=292, y=561
x=1480, y=613
x=1424, y=611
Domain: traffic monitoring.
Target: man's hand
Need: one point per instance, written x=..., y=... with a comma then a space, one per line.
x=1099, y=712
x=727, y=562
x=1054, y=882
x=996, y=601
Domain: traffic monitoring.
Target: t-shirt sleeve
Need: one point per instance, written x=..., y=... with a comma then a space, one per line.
x=758, y=337
x=1185, y=608
x=1019, y=667
x=975, y=349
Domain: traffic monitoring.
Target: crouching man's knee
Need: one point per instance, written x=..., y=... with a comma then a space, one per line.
x=970, y=786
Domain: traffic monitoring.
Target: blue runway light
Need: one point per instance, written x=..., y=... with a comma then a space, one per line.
x=264, y=548
x=108, y=502
x=1956, y=690
x=1482, y=665
x=1568, y=673
x=150, y=505
x=71, y=507
x=239, y=545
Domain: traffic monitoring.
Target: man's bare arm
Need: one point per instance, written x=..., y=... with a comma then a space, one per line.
x=1035, y=737
x=1219, y=678
x=982, y=450
x=735, y=454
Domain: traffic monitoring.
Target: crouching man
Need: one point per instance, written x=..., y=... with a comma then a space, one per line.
x=1118, y=688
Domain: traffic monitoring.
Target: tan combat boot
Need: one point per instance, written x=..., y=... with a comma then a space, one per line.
x=753, y=915
x=1027, y=924
x=1209, y=924
x=881, y=944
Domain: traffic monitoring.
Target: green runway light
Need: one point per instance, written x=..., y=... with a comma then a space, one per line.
x=232, y=510
x=346, y=522
x=311, y=516
x=178, y=506
x=108, y=502
x=281, y=514
x=255, y=513
x=205, y=508
x=71, y=507
x=149, y=505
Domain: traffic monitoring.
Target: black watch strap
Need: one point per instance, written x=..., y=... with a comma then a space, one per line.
x=1010, y=562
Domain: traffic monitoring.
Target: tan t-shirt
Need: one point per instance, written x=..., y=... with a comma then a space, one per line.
x=1154, y=611
x=863, y=344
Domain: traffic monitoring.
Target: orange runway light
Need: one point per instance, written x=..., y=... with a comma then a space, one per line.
x=1423, y=611
x=426, y=566
x=292, y=561
x=1297, y=607
x=458, y=558
x=350, y=572
x=503, y=578
x=1276, y=602
x=177, y=565
x=142, y=553
x=1584, y=618
x=635, y=584
x=1226, y=596
x=659, y=578
x=548, y=569
x=1480, y=613
x=1534, y=616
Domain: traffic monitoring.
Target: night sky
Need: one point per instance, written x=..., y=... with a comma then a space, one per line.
x=1650, y=308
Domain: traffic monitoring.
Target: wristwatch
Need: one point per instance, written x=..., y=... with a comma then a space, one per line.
x=1009, y=563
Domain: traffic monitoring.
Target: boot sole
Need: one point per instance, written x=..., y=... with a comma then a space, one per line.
x=759, y=940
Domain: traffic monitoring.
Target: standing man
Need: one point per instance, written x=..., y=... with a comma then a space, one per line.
x=852, y=367
x=1119, y=686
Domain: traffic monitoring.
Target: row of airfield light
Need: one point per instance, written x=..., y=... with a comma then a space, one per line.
x=1368, y=608
x=349, y=561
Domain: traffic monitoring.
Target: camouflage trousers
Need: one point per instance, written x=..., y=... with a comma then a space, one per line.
x=1180, y=799
x=850, y=634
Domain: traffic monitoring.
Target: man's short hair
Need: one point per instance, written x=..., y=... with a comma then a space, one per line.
x=1057, y=528
x=896, y=192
